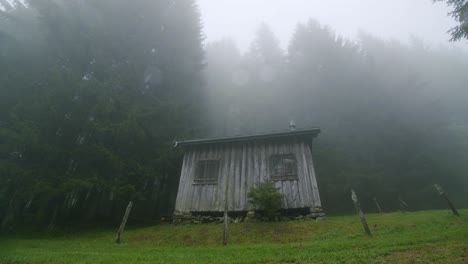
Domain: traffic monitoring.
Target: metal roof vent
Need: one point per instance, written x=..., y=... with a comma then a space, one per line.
x=292, y=125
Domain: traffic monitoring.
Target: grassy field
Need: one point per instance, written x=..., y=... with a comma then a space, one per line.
x=416, y=237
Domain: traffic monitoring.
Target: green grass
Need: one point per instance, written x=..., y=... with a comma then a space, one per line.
x=416, y=237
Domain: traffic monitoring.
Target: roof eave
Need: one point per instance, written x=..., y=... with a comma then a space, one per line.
x=308, y=132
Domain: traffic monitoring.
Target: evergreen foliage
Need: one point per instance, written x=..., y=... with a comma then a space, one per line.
x=460, y=14
x=266, y=197
x=92, y=94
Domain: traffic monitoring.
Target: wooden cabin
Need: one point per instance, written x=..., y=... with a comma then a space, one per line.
x=227, y=168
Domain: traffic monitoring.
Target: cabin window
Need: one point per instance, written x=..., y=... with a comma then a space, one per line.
x=283, y=167
x=206, y=172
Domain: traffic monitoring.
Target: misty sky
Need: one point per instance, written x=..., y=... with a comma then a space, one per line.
x=388, y=19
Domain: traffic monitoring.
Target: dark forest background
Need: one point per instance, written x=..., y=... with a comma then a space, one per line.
x=93, y=94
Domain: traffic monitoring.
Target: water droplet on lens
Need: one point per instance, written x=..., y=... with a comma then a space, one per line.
x=153, y=76
x=16, y=155
x=87, y=76
x=58, y=133
x=80, y=139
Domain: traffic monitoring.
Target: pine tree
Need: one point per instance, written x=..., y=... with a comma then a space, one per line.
x=460, y=14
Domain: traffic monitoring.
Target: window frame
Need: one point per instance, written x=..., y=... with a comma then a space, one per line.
x=204, y=166
x=286, y=176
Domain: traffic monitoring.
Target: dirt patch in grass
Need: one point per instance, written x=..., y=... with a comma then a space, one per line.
x=143, y=237
x=461, y=258
x=429, y=255
x=409, y=256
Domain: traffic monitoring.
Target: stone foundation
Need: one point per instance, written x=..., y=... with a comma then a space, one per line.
x=302, y=214
x=182, y=217
x=316, y=213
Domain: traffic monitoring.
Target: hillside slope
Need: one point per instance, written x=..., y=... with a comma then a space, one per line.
x=415, y=237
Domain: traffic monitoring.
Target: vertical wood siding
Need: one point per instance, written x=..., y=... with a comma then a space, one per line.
x=242, y=165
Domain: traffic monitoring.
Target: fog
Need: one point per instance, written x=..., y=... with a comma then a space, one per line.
x=388, y=19
x=93, y=95
x=380, y=79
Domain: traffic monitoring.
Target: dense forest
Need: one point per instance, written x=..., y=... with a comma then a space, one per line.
x=94, y=93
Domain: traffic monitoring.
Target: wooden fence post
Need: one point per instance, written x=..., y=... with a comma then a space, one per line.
x=359, y=211
x=52, y=219
x=450, y=204
x=226, y=223
x=226, y=207
x=10, y=212
x=403, y=205
x=124, y=221
x=377, y=204
x=226, y=216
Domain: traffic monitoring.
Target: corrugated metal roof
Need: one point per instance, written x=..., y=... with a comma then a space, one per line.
x=312, y=132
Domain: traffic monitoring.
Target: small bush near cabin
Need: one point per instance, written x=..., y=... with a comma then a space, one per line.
x=265, y=196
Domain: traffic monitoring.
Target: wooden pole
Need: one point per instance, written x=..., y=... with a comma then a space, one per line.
x=377, y=204
x=450, y=204
x=226, y=216
x=359, y=211
x=10, y=214
x=124, y=221
x=226, y=223
x=403, y=205
x=52, y=219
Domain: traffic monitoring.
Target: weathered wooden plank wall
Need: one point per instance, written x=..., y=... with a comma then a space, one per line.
x=245, y=164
